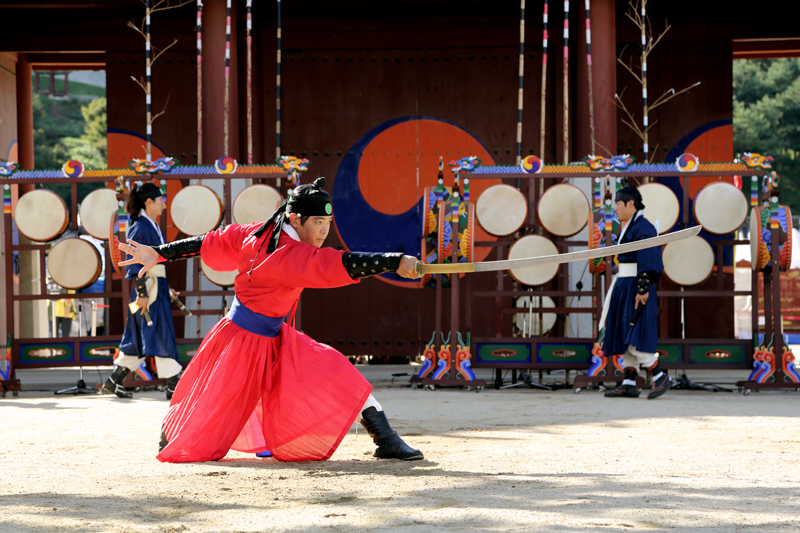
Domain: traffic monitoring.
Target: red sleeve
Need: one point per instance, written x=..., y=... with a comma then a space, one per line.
x=221, y=247
x=309, y=267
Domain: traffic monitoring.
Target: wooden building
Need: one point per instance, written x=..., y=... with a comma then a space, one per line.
x=352, y=66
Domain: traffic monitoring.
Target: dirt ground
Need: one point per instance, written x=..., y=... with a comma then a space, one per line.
x=512, y=460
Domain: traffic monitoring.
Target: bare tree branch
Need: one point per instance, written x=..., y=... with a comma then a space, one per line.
x=606, y=150
x=653, y=44
x=141, y=84
x=669, y=95
x=141, y=32
x=168, y=6
x=630, y=69
x=164, y=50
x=162, y=111
x=653, y=153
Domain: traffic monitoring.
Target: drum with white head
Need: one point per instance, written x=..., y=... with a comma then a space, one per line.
x=501, y=210
x=256, y=203
x=563, y=210
x=529, y=321
x=196, y=210
x=223, y=279
x=660, y=204
x=41, y=215
x=720, y=207
x=96, y=210
x=74, y=263
x=689, y=261
x=533, y=246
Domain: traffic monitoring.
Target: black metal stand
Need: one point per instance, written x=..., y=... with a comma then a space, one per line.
x=80, y=387
x=684, y=383
x=525, y=378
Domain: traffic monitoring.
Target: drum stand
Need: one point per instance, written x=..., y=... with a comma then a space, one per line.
x=526, y=378
x=80, y=387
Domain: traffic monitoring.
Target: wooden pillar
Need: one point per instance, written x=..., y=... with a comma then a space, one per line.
x=214, y=21
x=604, y=82
x=32, y=318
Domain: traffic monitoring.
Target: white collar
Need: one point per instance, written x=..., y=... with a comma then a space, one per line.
x=290, y=231
x=143, y=214
x=628, y=225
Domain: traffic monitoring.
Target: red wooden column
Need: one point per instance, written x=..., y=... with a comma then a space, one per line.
x=604, y=81
x=25, y=115
x=214, y=21
x=29, y=261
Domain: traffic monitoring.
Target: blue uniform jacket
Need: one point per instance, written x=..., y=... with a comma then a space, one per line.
x=140, y=339
x=644, y=335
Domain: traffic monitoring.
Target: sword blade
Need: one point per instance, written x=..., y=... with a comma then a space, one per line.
x=584, y=255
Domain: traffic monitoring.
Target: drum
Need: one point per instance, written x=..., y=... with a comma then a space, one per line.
x=223, y=279
x=96, y=210
x=660, y=204
x=41, y=215
x=74, y=263
x=196, y=210
x=255, y=204
x=761, y=238
x=720, y=208
x=563, y=210
x=501, y=210
x=534, y=324
x=533, y=246
x=688, y=261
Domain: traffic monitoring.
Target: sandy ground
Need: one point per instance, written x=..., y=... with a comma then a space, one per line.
x=512, y=460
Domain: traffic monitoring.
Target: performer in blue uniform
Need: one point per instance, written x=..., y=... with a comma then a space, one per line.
x=145, y=205
x=634, y=287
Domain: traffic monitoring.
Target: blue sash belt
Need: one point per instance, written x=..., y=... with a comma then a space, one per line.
x=249, y=320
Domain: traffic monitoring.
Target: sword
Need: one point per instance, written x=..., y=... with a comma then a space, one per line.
x=421, y=268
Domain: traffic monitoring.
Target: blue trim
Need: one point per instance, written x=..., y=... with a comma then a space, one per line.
x=10, y=146
x=249, y=320
x=674, y=183
x=362, y=227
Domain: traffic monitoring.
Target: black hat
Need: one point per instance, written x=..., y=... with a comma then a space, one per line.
x=626, y=194
x=305, y=200
x=148, y=190
x=310, y=200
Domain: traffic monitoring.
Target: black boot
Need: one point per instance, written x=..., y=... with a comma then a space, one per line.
x=625, y=391
x=170, y=384
x=390, y=445
x=162, y=443
x=113, y=384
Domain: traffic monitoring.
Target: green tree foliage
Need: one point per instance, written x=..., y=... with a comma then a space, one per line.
x=69, y=128
x=66, y=129
x=766, y=117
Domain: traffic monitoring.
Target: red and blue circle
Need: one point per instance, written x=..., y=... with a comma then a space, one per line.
x=687, y=163
x=226, y=165
x=378, y=190
x=72, y=169
x=531, y=164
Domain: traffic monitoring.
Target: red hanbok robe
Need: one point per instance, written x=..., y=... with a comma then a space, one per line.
x=287, y=394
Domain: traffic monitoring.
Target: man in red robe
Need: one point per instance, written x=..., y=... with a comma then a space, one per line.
x=257, y=384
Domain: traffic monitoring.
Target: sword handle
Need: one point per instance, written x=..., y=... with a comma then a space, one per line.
x=636, y=314
x=147, y=316
x=180, y=305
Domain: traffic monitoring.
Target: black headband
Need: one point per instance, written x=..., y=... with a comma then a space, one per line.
x=149, y=190
x=626, y=194
x=305, y=200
